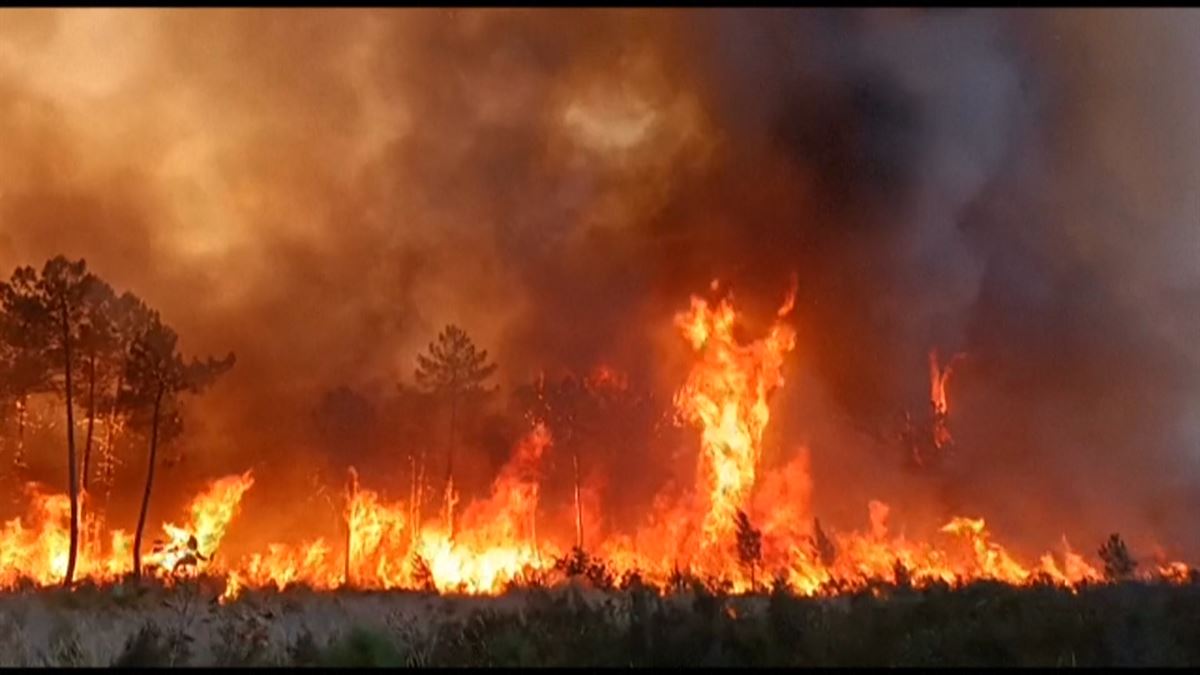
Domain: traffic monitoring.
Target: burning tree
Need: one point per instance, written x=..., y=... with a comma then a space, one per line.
x=54, y=325
x=453, y=369
x=99, y=346
x=61, y=291
x=25, y=367
x=411, y=414
x=822, y=545
x=749, y=546
x=127, y=316
x=560, y=406
x=155, y=376
x=589, y=416
x=1118, y=564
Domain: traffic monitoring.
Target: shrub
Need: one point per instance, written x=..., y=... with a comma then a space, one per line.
x=362, y=648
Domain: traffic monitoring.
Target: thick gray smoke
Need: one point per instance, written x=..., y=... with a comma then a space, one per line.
x=320, y=191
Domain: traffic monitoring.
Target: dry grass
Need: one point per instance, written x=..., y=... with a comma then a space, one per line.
x=984, y=624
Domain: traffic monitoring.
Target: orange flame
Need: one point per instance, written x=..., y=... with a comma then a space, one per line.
x=499, y=538
x=726, y=396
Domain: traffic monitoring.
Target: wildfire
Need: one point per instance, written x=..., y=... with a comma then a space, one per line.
x=726, y=395
x=496, y=541
x=38, y=551
x=740, y=522
x=210, y=513
x=939, y=376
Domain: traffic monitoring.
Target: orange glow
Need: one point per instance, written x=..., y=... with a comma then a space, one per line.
x=939, y=376
x=500, y=538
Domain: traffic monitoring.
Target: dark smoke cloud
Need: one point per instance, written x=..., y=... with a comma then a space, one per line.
x=322, y=190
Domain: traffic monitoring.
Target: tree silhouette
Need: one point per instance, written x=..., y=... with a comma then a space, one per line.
x=128, y=317
x=411, y=413
x=155, y=375
x=591, y=417
x=1119, y=565
x=453, y=369
x=99, y=344
x=749, y=546
x=62, y=288
x=24, y=364
x=822, y=545
x=565, y=407
x=344, y=421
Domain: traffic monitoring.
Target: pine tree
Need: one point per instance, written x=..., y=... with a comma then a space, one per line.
x=453, y=369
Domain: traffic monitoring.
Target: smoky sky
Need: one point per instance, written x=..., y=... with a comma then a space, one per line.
x=320, y=191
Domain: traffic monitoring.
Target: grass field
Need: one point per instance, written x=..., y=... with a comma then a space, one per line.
x=982, y=624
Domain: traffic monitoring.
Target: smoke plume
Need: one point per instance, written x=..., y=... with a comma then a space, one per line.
x=321, y=190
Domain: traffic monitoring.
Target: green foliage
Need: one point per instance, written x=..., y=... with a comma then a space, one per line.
x=362, y=649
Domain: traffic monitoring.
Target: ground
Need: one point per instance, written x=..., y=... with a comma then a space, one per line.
x=982, y=624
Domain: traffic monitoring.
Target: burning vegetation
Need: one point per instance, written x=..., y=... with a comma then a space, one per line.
x=742, y=306
x=740, y=525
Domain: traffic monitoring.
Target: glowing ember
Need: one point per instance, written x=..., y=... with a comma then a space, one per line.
x=939, y=376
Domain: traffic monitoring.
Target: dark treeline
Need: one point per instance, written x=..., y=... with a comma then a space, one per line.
x=441, y=438
x=112, y=364
x=98, y=372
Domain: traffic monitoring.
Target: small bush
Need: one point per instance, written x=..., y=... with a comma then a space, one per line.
x=146, y=648
x=362, y=649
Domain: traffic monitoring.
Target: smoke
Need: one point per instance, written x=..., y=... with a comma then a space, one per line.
x=320, y=191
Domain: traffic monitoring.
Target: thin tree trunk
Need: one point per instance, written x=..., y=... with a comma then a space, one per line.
x=87, y=446
x=19, y=459
x=578, y=505
x=109, y=439
x=422, y=481
x=450, y=466
x=414, y=508
x=537, y=554
x=351, y=490
x=141, y=524
x=72, y=476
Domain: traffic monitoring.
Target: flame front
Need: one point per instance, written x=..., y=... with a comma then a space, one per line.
x=726, y=396
x=38, y=552
x=740, y=521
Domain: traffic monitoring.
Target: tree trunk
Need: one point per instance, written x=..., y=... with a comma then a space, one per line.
x=578, y=505
x=72, y=472
x=351, y=490
x=19, y=458
x=141, y=524
x=450, y=466
x=109, y=439
x=414, y=499
x=91, y=424
x=537, y=553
